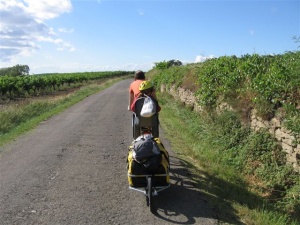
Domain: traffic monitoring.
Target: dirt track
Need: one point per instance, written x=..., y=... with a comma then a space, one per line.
x=71, y=169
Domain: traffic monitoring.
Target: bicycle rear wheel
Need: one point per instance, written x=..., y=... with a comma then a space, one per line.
x=150, y=193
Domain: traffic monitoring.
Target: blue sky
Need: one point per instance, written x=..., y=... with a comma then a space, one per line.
x=104, y=35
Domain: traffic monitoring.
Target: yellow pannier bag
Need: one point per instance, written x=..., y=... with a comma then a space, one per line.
x=137, y=171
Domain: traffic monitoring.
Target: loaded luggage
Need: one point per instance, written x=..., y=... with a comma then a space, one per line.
x=147, y=156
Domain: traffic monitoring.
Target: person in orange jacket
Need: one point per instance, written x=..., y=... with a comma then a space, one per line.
x=134, y=91
x=146, y=88
x=139, y=77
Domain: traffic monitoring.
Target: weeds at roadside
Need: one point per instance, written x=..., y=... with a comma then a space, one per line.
x=220, y=146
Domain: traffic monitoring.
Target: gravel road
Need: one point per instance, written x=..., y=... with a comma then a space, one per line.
x=71, y=169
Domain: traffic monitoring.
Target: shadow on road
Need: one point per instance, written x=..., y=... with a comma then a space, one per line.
x=194, y=196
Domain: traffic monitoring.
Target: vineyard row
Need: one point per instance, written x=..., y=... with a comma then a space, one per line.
x=34, y=84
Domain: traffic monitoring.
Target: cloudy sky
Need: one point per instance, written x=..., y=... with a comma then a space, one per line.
x=101, y=35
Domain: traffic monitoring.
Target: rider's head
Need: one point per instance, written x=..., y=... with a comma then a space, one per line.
x=146, y=87
x=139, y=75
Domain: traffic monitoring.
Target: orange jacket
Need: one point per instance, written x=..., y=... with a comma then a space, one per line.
x=134, y=87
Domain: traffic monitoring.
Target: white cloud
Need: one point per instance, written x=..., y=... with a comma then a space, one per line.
x=22, y=26
x=45, y=9
x=65, y=30
x=201, y=58
x=66, y=47
x=49, y=39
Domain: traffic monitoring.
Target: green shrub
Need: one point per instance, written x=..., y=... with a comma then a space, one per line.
x=271, y=85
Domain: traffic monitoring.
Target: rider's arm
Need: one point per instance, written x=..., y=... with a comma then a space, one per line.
x=131, y=98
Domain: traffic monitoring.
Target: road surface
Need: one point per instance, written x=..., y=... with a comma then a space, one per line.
x=71, y=169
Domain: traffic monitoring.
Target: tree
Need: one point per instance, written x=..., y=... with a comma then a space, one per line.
x=17, y=70
x=166, y=64
x=174, y=62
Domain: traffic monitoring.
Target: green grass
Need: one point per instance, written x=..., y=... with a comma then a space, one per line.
x=208, y=145
x=18, y=119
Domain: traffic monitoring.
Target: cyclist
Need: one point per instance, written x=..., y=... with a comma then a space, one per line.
x=139, y=77
x=146, y=88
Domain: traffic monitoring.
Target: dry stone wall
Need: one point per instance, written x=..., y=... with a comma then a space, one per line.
x=284, y=137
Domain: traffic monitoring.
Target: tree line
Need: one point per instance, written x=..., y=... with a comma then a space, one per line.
x=15, y=71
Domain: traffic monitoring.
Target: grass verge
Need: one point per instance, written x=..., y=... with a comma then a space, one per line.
x=198, y=140
x=22, y=117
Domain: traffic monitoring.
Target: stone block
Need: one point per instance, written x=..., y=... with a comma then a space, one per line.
x=274, y=122
x=287, y=148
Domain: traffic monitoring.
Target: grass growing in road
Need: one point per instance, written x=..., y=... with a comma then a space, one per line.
x=23, y=116
x=201, y=140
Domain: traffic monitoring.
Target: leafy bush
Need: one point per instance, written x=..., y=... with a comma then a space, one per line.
x=271, y=85
x=172, y=76
x=265, y=83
